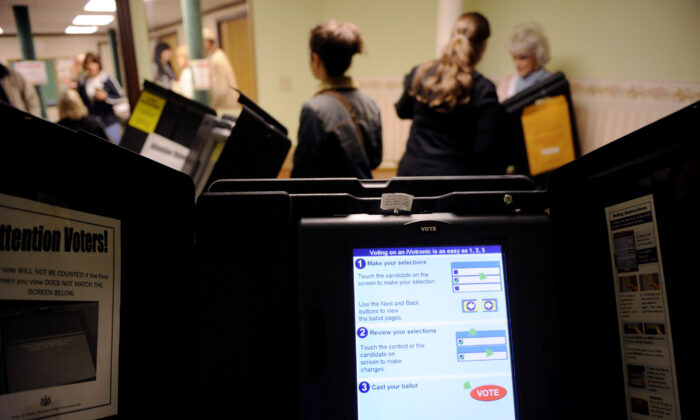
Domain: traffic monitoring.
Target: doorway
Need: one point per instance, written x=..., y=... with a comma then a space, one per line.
x=236, y=41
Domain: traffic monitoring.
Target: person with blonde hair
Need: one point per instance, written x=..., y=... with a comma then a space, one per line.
x=530, y=51
x=340, y=132
x=185, y=84
x=73, y=114
x=456, y=116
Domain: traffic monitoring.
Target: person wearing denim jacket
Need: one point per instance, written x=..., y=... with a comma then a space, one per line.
x=335, y=141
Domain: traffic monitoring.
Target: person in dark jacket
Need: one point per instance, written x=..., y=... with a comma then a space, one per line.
x=340, y=133
x=457, y=120
x=100, y=92
x=74, y=114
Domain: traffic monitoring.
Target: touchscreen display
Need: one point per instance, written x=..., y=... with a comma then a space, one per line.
x=432, y=336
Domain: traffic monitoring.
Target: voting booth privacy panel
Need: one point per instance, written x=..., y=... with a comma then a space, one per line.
x=187, y=136
x=557, y=304
x=624, y=220
x=341, y=356
x=409, y=298
x=96, y=314
x=542, y=126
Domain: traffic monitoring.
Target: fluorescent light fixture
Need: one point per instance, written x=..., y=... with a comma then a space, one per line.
x=100, y=6
x=81, y=29
x=98, y=20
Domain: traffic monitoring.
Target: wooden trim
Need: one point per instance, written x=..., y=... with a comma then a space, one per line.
x=126, y=39
x=52, y=35
x=223, y=6
x=160, y=36
x=251, y=40
x=204, y=12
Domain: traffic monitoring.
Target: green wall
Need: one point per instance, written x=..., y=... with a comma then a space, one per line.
x=398, y=34
x=620, y=39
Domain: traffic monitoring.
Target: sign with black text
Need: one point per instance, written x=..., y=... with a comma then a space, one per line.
x=59, y=311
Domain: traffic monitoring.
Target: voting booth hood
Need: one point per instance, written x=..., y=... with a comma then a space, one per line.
x=96, y=310
x=188, y=136
x=340, y=298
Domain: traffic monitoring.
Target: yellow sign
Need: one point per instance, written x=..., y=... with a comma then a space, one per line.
x=548, y=137
x=147, y=112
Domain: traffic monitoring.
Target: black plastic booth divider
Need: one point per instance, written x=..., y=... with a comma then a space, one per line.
x=331, y=298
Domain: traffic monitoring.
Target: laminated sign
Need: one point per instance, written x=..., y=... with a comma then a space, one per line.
x=646, y=341
x=33, y=71
x=59, y=311
x=147, y=112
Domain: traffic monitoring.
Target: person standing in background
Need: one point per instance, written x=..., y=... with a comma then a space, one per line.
x=163, y=73
x=223, y=78
x=457, y=121
x=185, y=84
x=17, y=92
x=74, y=114
x=100, y=92
x=340, y=133
x=530, y=50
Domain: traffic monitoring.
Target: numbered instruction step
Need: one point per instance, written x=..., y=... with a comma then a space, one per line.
x=432, y=333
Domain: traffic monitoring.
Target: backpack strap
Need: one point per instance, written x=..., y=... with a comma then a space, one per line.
x=345, y=102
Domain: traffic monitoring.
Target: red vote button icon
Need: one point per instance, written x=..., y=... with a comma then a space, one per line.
x=488, y=393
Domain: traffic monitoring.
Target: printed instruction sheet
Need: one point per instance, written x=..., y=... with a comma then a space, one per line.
x=645, y=330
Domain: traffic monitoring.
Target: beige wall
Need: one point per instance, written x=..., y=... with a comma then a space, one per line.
x=280, y=31
x=209, y=20
x=628, y=40
x=398, y=35
x=54, y=46
x=646, y=40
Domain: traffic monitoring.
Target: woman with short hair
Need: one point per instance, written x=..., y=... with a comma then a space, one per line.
x=457, y=119
x=530, y=51
x=340, y=132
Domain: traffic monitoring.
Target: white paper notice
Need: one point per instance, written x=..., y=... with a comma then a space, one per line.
x=59, y=311
x=165, y=151
x=201, y=74
x=645, y=328
x=396, y=201
x=34, y=72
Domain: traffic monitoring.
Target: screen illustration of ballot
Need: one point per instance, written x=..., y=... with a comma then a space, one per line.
x=432, y=337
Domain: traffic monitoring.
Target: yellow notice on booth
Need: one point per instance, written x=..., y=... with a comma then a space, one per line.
x=548, y=137
x=147, y=112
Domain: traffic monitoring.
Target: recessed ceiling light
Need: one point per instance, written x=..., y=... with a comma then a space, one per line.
x=81, y=29
x=93, y=19
x=100, y=6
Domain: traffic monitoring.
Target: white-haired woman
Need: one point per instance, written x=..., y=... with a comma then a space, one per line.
x=530, y=50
